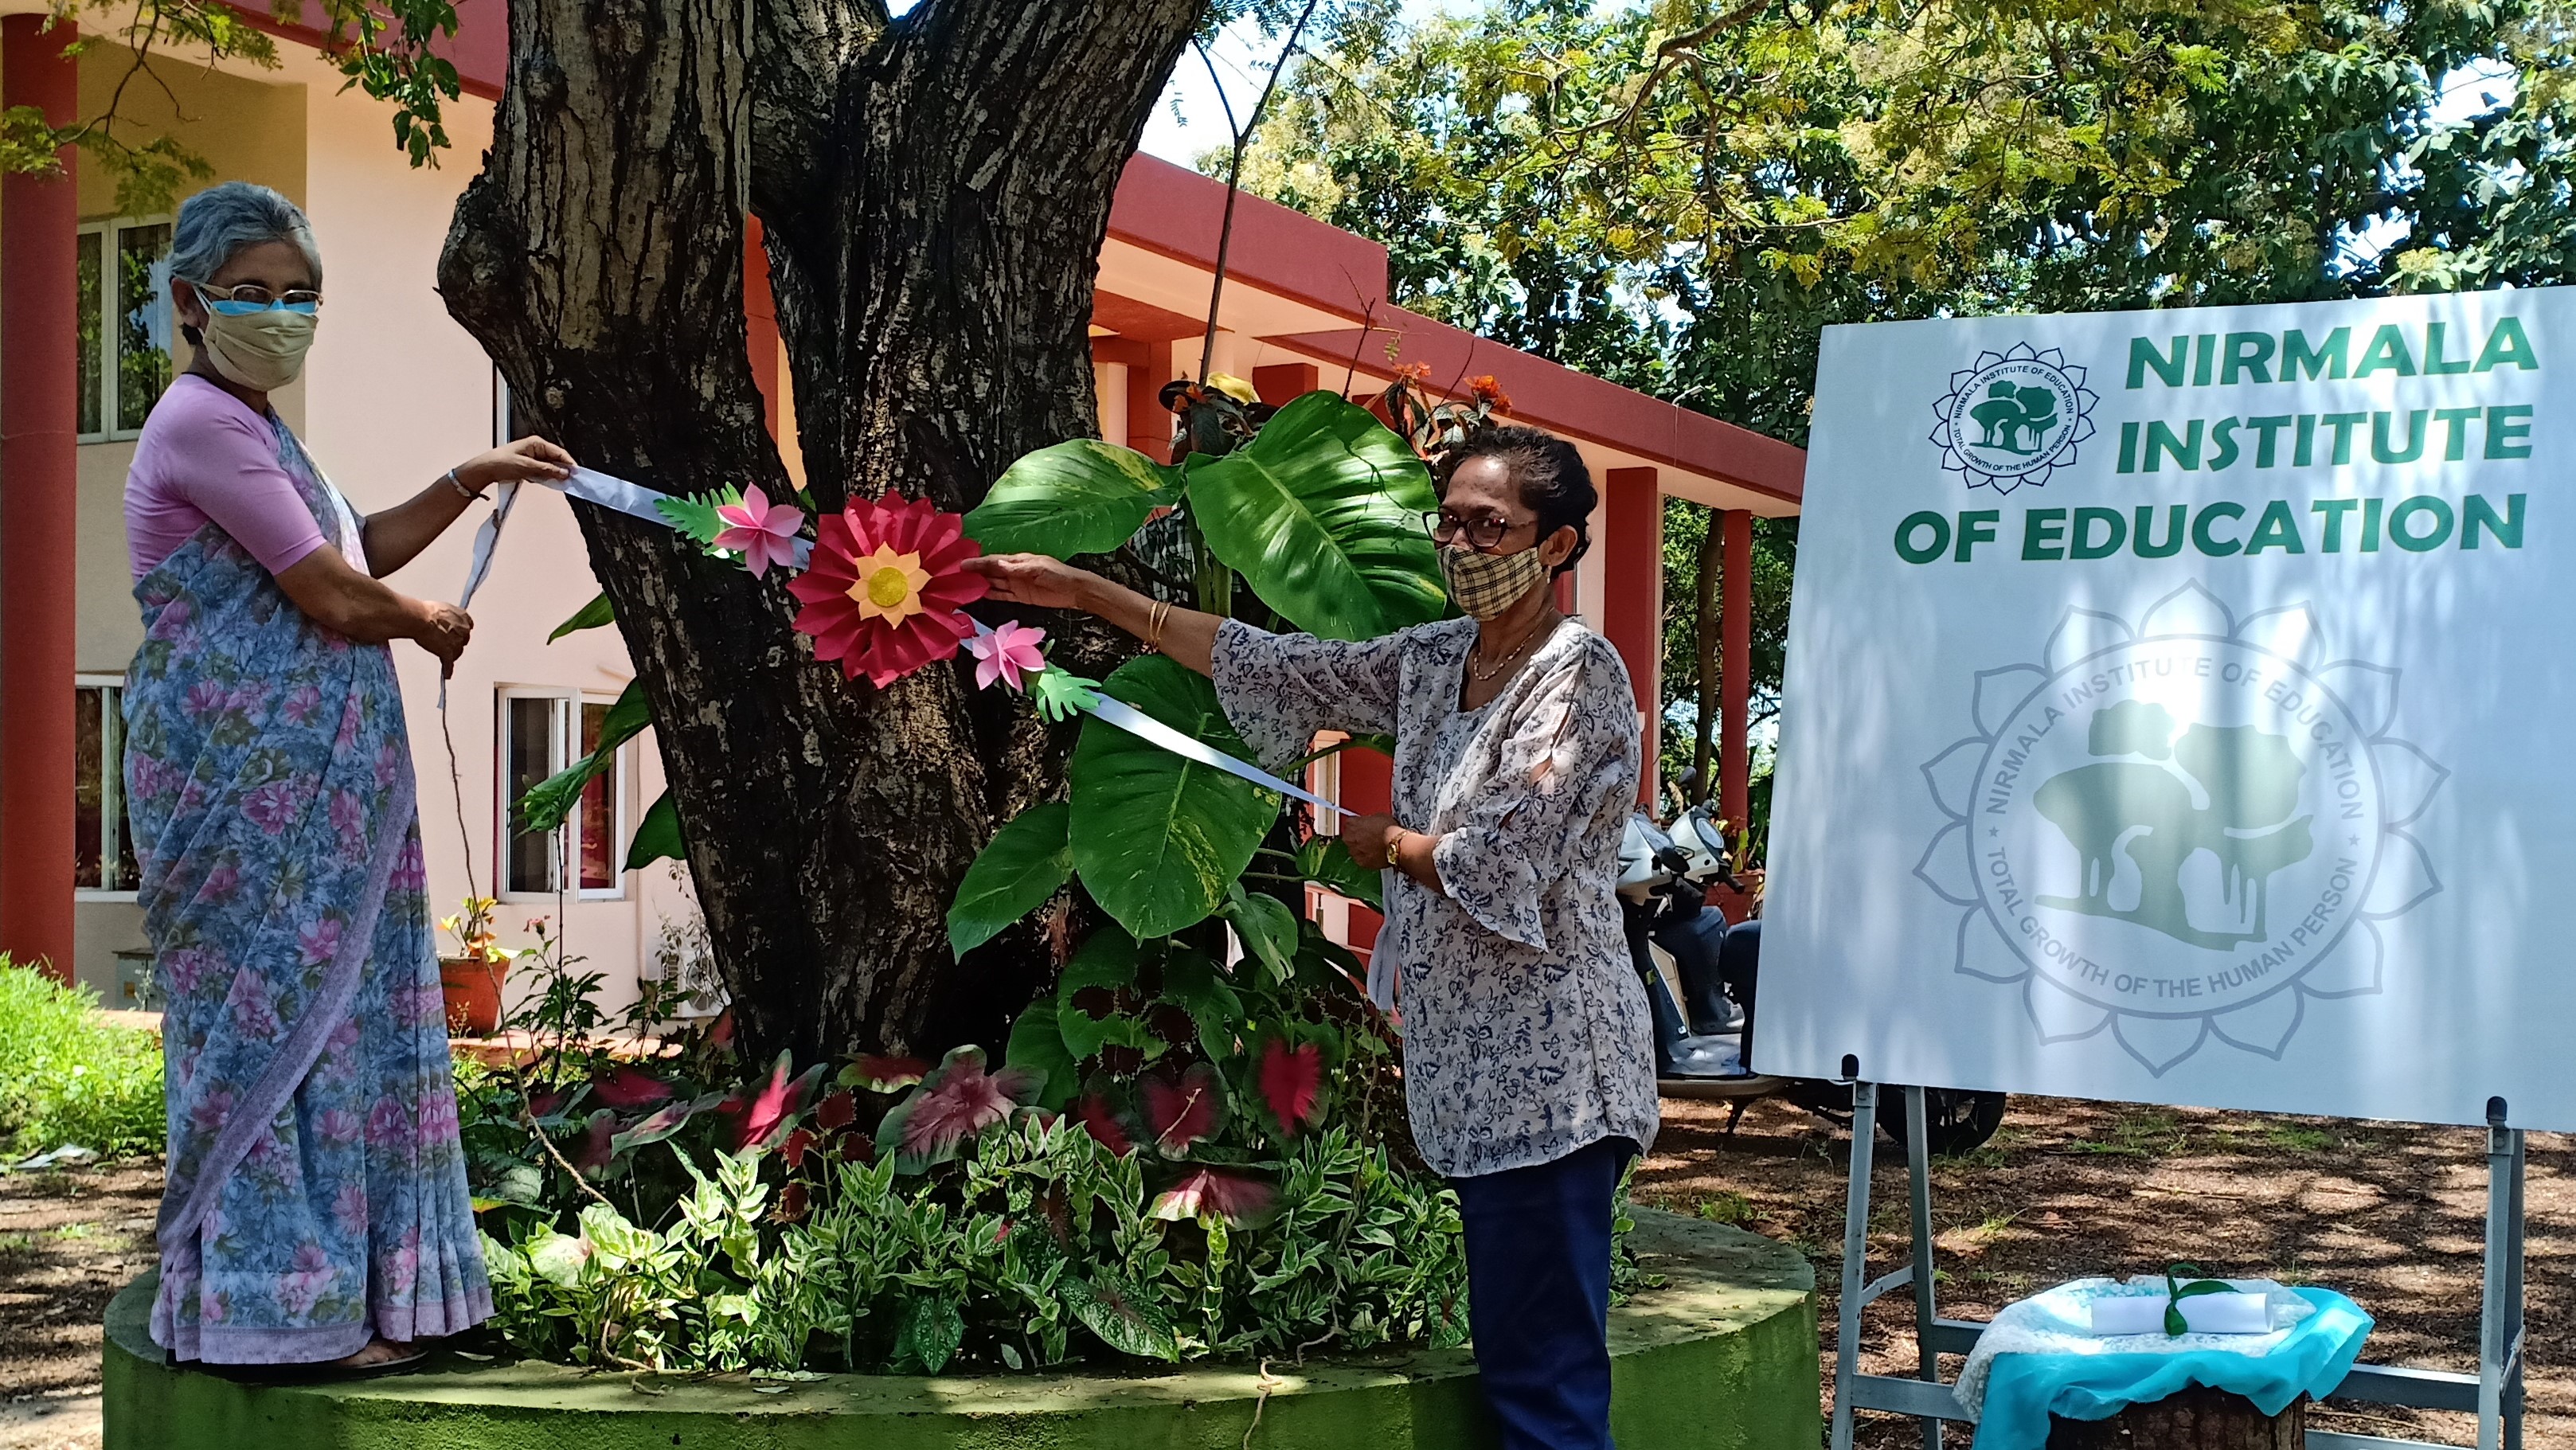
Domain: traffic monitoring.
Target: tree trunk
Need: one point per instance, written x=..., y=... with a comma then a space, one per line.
x=934, y=191
x=2196, y=1419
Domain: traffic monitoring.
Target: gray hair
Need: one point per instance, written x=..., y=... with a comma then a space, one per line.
x=221, y=220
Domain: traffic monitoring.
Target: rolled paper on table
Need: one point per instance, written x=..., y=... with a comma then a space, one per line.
x=2234, y=1313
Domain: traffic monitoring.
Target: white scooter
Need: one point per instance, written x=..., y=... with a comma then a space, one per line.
x=1702, y=976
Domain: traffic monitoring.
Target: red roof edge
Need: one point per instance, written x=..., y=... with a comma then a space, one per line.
x=1565, y=401
x=1179, y=213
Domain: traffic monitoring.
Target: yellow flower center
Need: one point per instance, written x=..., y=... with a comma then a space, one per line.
x=889, y=585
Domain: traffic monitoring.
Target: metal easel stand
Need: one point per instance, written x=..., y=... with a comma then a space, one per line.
x=2493, y=1394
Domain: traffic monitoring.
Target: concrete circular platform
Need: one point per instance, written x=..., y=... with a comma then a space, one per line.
x=1722, y=1357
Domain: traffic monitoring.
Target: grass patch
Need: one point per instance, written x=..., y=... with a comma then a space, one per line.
x=67, y=1078
x=2300, y=1140
x=1728, y=1208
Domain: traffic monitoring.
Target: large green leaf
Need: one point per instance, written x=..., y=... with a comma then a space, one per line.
x=1026, y=862
x=1157, y=838
x=657, y=837
x=1322, y=512
x=1266, y=925
x=550, y=800
x=1078, y=497
x=1106, y=959
x=1036, y=1042
x=590, y=616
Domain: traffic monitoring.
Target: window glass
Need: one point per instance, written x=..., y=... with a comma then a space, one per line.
x=89, y=309
x=599, y=806
x=102, y=841
x=89, y=789
x=528, y=755
x=142, y=321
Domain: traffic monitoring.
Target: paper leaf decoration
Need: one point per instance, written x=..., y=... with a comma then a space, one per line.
x=1060, y=695
x=694, y=515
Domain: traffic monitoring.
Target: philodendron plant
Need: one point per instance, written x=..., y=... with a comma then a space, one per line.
x=1155, y=1039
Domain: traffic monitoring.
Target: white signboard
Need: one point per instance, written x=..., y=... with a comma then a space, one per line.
x=2181, y=707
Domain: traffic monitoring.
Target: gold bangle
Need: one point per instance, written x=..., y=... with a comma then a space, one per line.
x=1155, y=619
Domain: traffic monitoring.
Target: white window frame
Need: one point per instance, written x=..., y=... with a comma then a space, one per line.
x=562, y=749
x=106, y=230
x=111, y=785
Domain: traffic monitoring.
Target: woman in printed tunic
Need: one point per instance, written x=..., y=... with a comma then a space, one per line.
x=316, y=1208
x=1528, y=1072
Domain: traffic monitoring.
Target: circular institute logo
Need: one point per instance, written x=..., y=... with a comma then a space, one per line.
x=2013, y=417
x=2181, y=828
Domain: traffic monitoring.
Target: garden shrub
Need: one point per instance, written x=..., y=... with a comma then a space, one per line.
x=67, y=1078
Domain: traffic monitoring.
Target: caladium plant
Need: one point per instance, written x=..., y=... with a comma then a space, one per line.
x=1292, y=1083
x=1236, y=1199
x=958, y=1100
x=1180, y=1115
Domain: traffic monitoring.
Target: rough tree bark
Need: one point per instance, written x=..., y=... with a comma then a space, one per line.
x=934, y=192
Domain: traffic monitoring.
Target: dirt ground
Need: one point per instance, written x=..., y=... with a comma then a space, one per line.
x=68, y=1242
x=2390, y=1215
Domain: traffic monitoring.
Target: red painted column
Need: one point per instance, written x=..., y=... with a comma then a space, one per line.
x=1149, y=423
x=1284, y=383
x=1735, y=678
x=39, y=216
x=1632, y=611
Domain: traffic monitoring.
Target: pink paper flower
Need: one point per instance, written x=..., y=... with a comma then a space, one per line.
x=764, y=533
x=1007, y=653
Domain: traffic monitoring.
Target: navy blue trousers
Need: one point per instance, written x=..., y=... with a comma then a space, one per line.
x=1538, y=1295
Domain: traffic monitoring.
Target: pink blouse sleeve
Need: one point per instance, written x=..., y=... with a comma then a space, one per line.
x=225, y=464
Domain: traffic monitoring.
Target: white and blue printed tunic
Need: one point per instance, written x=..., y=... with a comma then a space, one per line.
x=1526, y=1033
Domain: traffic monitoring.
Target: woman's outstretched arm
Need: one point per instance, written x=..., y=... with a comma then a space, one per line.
x=346, y=602
x=1188, y=636
x=395, y=536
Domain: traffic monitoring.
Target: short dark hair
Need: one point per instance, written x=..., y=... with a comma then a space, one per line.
x=1553, y=481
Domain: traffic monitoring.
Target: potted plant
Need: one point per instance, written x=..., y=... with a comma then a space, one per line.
x=471, y=975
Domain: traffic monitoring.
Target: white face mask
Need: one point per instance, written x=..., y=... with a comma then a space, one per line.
x=262, y=351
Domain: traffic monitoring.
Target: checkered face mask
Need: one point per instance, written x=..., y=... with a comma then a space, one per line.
x=1487, y=584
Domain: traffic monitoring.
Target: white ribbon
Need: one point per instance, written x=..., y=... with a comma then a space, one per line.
x=590, y=486
x=611, y=492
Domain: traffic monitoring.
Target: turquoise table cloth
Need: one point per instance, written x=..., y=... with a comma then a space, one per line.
x=2310, y=1358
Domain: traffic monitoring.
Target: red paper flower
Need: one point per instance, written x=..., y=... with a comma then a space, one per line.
x=884, y=591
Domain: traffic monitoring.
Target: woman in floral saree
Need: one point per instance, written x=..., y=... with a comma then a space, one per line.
x=316, y=1208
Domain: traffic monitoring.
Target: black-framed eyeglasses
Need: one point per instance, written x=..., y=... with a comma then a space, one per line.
x=1484, y=533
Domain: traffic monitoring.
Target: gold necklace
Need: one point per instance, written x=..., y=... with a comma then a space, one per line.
x=1480, y=676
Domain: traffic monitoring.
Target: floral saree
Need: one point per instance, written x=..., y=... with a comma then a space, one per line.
x=316, y=1192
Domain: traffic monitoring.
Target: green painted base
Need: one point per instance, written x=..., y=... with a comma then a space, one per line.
x=1723, y=1357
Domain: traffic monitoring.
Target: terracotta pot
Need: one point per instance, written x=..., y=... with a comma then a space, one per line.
x=472, y=987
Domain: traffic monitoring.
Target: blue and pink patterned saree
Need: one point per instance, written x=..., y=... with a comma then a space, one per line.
x=316, y=1193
